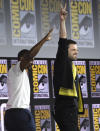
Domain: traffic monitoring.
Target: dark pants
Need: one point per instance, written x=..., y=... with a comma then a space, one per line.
x=66, y=115
x=19, y=120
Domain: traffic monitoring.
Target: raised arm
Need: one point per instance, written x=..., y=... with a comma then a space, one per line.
x=63, y=15
x=33, y=51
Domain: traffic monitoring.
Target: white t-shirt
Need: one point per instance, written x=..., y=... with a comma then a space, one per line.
x=18, y=88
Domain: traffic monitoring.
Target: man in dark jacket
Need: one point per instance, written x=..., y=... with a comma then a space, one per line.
x=68, y=96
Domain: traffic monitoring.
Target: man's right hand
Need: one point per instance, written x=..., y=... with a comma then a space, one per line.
x=63, y=13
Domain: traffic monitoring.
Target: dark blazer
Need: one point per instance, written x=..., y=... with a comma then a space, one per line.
x=63, y=76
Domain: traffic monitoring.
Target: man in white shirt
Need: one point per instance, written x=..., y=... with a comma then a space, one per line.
x=18, y=116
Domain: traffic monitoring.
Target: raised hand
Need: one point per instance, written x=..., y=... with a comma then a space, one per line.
x=63, y=12
x=48, y=36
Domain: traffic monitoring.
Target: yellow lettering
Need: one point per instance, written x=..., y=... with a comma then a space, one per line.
x=54, y=5
x=84, y=7
x=81, y=69
x=42, y=69
x=37, y=120
x=93, y=82
x=96, y=122
x=3, y=69
x=35, y=79
x=97, y=69
x=45, y=15
x=15, y=19
x=14, y=2
x=75, y=25
x=27, y=5
x=45, y=114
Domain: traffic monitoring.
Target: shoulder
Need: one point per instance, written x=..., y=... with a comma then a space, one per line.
x=15, y=68
x=64, y=40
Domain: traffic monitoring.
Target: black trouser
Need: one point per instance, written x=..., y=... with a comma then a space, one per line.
x=19, y=120
x=66, y=115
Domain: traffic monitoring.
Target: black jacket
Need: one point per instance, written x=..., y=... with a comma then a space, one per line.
x=63, y=76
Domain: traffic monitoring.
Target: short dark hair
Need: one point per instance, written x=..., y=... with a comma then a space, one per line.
x=22, y=53
x=69, y=41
